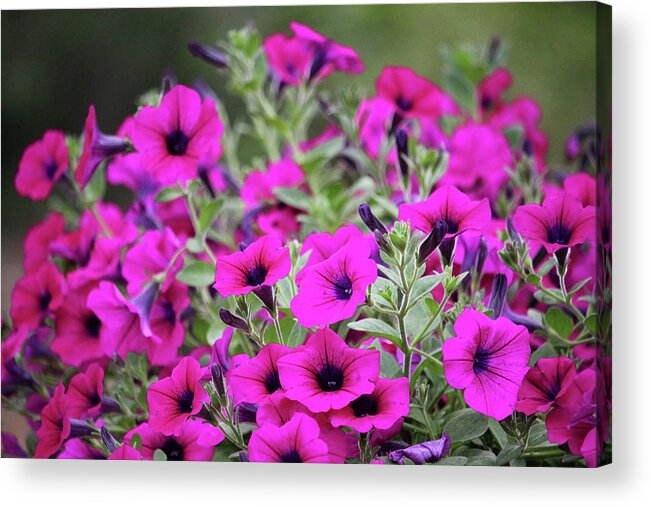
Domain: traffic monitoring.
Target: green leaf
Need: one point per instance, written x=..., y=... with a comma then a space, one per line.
x=208, y=214
x=578, y=286
x=159, y=455
x=538, y=436
x=376, y=327
x=389, y=367
x=197, y=274
x=466, y=424
x=545, y=350
x=168, y=194
x=533, y=280
x=479, y=457
x=508, y=454
x=425, y=285
x=453, y=461
x=293, y=197
x=498, y=432
x=136, y=441
x=560, y=322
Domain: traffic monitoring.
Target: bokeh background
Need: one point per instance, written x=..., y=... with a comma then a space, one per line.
x=55, y=63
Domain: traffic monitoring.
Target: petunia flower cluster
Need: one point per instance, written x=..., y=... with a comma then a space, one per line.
x=399, y=276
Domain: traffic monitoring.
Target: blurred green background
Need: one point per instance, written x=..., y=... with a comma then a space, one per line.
x=55, y=63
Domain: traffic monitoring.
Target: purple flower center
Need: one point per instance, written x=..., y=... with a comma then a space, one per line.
x=185, y=401
x=168, y=312
x=291, y=456
x=50, y=169
x=343, y=287
x=481, y=361
x=453, y=227
x=330, y=378
x=177, y=142
x=256, y=275
x=172, y=449
x=559, y=234
x=404, y=103
x=44, y=300
x=364, y=406
x=272, y=381
x=92, y=325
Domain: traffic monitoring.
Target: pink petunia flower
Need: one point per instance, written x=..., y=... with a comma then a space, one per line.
x=479, y=157
x=257, y=379
x=38, y=240
x=323, y=245
x=125, y=452
x=326, y=374
x=121, y=329
x=76, y=339
x=179, y=134
x=492, y=87
x=261, y=264
x=543, y=384
x=580, y=417
x=488, y=359
x=76, y=448
x=289, y=59
x=559, y=223
x=388, y=403
x=174, y=399
x=85, y=392
x=451, y=206
x=42, y=165
x=258, y=185
x=195, y=441
x=296, y=441
x=332, y=290
x=412, y=95
x=55, y=424
x=583, y=187
x=277, y=409
x=97, y=148
x=37, y=295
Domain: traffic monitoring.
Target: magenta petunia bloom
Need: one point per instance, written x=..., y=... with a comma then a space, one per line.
x=76, y=448
x=55, y=424
x=42, y=165
x=583, y=187
x=174, y=399
x=97, y=148
x=260, y=264
x=85, y=392
x=36, y=295
x=296, y=441
x=323, y=245
x=125, y=452
x=488, y=358
x=258, y=185
x=277, y=409
x=195, y=441
x=289, y=59
x=492, y=87
x=388, y=403
x=580, y=417
x=326, y=53
x=479, y=158
x=77, y=328
x=257, y=379
x=561, y=222
x=326, y=374
x=120, y=329
x=38, y=240
x=412, y=95
x=544, y=384
x=332, y=290
x=450, y=205
x=153, y=254
x=179, y=134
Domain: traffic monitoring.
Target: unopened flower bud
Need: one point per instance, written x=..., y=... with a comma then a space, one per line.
x=446, y=249
x=370, y=220
x=208, y=54
x=498, y=295
x=402, y=146
x=480, y=256
x=232, y=320
x=266, y=295
x=433, y=240
x=513, y=234
x=217, y=375
x=381, y=241
x=109, y=440
x=80, y=428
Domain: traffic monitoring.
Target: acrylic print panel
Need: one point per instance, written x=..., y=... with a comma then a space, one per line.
x=355, y=234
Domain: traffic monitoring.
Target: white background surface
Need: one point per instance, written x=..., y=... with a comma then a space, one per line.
x=626, y=482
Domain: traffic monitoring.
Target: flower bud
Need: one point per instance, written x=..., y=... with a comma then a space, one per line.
x=426, y=452
x=433, y=240
x=208, y=54
x=480, y=256
x=370, y=220
x=109, y=440
x=217, y=375
x=232, y=320
x=80, y=428
x=381, y=242
x=246, y=412
x=513, y=234
x=446, y=249
x=402, y=145
x=266, y=295
x=498, y=295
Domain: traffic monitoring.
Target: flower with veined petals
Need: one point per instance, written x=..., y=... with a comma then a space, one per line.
x=544, y=384
x=42, y=165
